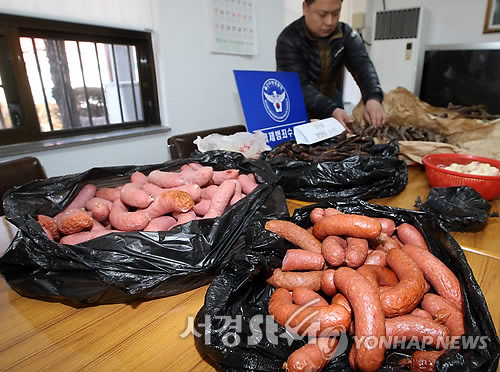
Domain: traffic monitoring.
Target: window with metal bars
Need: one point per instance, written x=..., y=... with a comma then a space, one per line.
x=60, y=79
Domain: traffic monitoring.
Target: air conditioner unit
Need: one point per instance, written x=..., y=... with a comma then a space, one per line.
x=398, y=47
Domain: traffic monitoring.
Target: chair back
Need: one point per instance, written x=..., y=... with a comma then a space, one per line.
x=182, y=146
x=18, y=172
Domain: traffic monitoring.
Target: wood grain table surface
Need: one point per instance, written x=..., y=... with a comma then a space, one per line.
x=155, y=335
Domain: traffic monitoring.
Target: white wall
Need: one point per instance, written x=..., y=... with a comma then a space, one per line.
x=198, y=86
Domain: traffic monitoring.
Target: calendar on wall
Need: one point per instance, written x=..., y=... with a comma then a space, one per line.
x=233, y=27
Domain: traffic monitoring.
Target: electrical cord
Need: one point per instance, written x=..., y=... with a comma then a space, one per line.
x=362, y=38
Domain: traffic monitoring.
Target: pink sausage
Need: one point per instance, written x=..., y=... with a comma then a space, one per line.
x=166, y=179
x=84, y=195
x=162, y=223
x=138, y=177
x=124, y=220
x=228, y=174
x=247, y=183
x=99, y=207
x=109, y=193
x=132, y=195
x=221, y=199
x=301, y=260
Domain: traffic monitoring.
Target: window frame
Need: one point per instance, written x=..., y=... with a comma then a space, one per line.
x=13, y=27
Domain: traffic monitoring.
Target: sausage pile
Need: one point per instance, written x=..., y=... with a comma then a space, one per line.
x=334, y=149
x=369, y=277
x=154, y=202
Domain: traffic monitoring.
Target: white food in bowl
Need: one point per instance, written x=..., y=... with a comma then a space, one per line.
x=475, y=167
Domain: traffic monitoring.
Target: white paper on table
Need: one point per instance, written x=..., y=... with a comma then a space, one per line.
x=317, y=131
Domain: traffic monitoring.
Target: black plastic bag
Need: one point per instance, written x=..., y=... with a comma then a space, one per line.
x=358, y=177
x=127, y=266
x=458, y=208
x=241, y=292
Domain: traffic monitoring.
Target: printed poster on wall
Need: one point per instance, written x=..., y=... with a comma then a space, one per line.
x=233, y=27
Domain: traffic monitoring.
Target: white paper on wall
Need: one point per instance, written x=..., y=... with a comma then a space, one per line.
x=233, y=27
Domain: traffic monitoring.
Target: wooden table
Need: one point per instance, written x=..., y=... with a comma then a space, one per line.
x=148, y=336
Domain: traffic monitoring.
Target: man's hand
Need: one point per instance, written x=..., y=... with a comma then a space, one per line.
x=374, y=113
x=343, y=118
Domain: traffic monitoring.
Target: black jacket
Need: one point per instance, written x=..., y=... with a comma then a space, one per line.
x=298, y=50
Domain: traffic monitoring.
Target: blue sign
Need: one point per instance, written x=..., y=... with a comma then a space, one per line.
x=272, y=103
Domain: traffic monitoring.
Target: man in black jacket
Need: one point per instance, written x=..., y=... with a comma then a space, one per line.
x=317, y=46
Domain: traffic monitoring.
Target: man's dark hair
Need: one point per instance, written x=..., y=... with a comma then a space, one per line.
x=309, y=2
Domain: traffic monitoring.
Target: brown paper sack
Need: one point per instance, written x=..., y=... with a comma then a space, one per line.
x=471, y=136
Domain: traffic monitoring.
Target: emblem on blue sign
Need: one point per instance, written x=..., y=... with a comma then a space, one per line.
x=275, y=100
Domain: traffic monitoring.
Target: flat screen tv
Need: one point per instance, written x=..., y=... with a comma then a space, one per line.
x=464, y=75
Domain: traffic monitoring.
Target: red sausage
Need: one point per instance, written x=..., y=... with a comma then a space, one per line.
x=427, y=331
x=305, y=296
x=290, y=280
x=340, y=299
x=356, y=252
x=444, y=312
x=347, y=224
x=368, y=318
x=302, y=260
x=376, y=257
x=49, y=224
x=332, y=251
x=313, y=356
x=408, y=234
x=312, y=320
x=439, y=276
x=294, y=234
x=384, y=243
x=378, y=275
x=328, y=283
x=388, y=225
x=421, y=312
x=316, y=214
x=404, y=296
x=425, y=360
x=73, y=220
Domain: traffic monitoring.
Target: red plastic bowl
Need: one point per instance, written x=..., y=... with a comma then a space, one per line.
x=487, y=186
